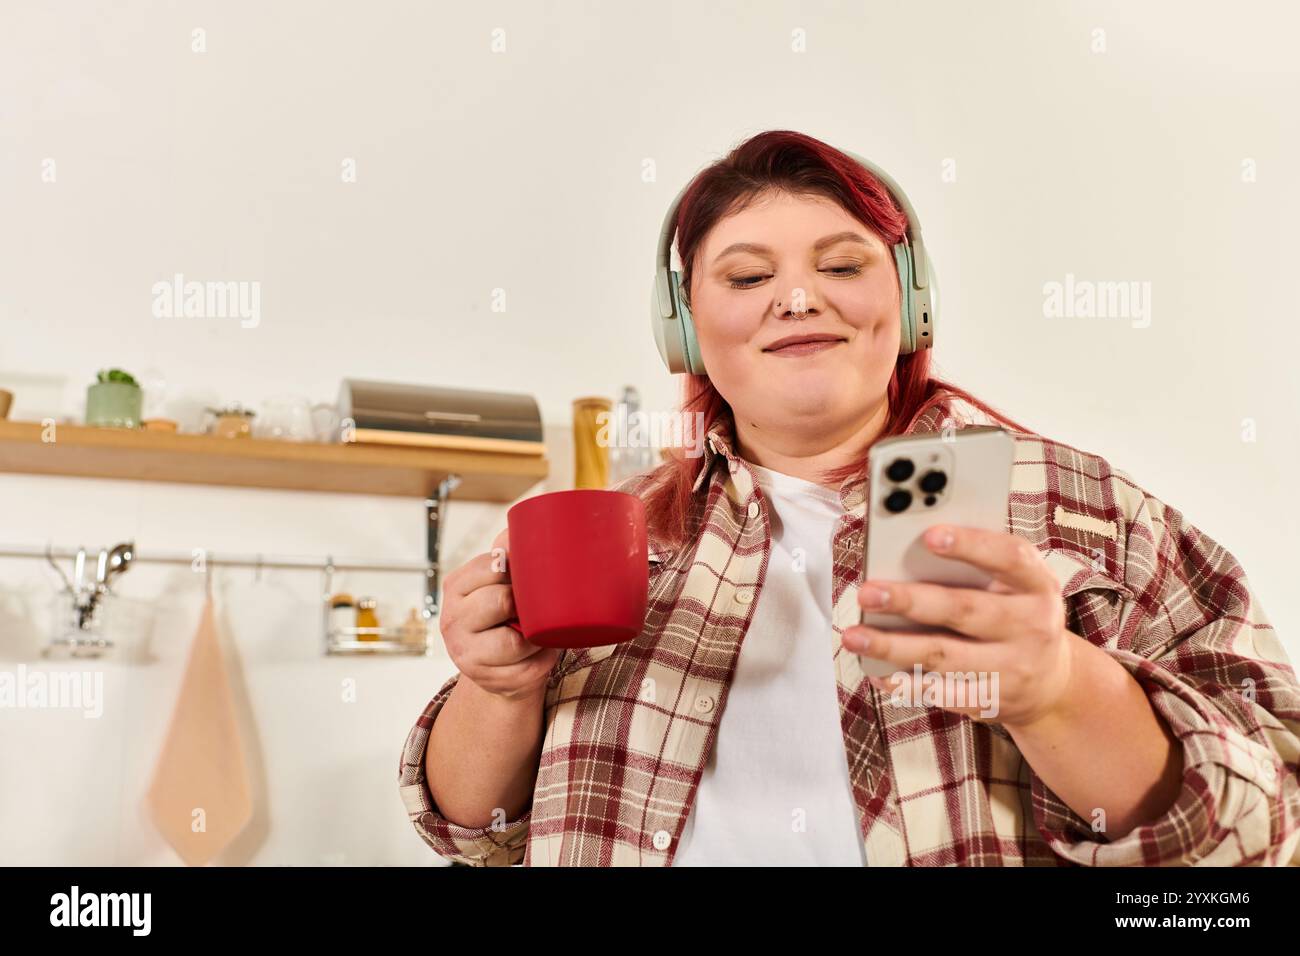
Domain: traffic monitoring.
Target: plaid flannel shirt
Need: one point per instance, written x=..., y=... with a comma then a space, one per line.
x=628, y=727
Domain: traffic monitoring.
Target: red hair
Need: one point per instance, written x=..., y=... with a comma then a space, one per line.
x=800, y=165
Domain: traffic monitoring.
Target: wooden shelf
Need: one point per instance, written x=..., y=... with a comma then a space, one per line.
x=261, y=463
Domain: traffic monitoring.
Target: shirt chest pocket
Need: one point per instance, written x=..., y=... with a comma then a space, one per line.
x=1094, y=601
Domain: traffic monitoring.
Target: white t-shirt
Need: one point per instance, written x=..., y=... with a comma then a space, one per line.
x=775, y=790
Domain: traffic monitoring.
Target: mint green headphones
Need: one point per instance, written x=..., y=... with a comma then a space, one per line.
x=674, y=329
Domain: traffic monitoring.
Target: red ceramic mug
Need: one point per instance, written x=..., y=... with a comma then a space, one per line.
x=577, y=566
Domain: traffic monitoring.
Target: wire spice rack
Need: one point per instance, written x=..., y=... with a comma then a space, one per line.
x=82, y=638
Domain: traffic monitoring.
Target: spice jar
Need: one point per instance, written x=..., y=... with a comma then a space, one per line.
x=234, y=421
x=343, y=614
x=414, y=630
x=366, y=617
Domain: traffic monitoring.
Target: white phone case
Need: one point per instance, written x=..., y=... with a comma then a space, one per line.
x=972, y=467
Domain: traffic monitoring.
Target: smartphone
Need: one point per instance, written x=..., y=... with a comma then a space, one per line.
x=958, y=477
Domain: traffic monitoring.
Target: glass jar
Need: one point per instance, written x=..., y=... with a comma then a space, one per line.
x=232, y=422
x=343, y=615
x=366, y=617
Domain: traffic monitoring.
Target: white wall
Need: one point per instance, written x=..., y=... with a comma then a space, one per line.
x=523, y=171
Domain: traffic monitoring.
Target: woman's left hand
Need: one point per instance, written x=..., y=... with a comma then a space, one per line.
x=1014, y=629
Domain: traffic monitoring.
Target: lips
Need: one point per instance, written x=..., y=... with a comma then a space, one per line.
x=790, y=340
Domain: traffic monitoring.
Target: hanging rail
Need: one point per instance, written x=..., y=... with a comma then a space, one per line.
x=435, y=507
x=224, y=559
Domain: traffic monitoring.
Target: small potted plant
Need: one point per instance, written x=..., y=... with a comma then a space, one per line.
x=115, y=400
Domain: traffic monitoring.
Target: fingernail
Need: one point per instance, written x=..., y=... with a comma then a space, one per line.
x=859, y=641
x=941, y=539
x=874, y=596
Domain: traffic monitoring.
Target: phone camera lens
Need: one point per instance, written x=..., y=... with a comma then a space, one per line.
x=933, y=481
x=898, y=501
x=900, y=469
x=930, y=499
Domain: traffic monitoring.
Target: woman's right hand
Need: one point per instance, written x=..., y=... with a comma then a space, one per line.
x=477, y=601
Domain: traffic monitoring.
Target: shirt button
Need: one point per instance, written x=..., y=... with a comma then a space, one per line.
x=704, y=704
x=745, y=596
x=753, y=509
x=661, y=839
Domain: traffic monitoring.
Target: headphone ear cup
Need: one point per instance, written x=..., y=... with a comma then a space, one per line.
x=693, y=360
x=906, y=312
x=657, y=323
x=929, y=307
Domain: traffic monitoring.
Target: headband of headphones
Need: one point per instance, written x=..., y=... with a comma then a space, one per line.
x=675, y=331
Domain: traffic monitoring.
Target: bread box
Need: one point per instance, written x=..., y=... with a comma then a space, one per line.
x=431, y=416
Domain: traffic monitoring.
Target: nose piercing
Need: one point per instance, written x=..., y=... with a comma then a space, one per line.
x=797, y=315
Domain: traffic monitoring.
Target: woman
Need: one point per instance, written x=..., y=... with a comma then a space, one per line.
x=1147, y=713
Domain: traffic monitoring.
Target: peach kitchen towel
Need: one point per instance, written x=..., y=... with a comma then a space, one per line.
x=201, y=795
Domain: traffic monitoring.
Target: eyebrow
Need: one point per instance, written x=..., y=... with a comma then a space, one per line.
x=818, y=246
